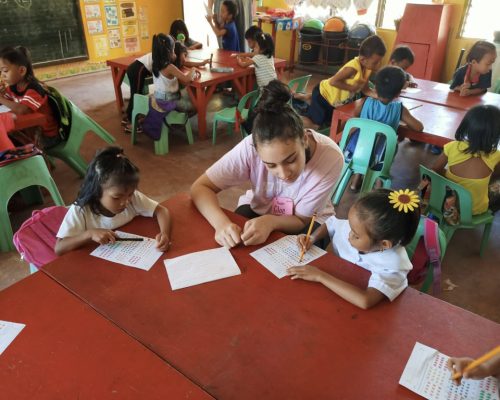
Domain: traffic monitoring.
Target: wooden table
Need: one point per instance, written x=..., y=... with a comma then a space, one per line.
x=68, y=351
x=254, y=336
x=440, y=122
x=200, y=90
x=30, y=120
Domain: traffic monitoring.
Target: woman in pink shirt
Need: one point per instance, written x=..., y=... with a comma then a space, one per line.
x=292, y=173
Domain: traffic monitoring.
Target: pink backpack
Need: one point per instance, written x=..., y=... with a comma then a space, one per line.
x=36, y=238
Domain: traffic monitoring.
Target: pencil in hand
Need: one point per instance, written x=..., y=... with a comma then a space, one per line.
x=126, y=239
x=303, y=251
x=457, y=375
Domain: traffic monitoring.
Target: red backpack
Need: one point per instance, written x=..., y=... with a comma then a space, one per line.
x=36, y=238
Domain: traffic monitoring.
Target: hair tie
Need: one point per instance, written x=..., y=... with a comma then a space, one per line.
x=263, y=36
x=404, y=200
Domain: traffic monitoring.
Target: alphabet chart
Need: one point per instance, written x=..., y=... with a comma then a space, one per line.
x=140, y=255
x=8, y=332
x=426, y=374
x=284, y=253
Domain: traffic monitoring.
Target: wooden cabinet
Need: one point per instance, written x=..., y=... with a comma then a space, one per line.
x=425, y=28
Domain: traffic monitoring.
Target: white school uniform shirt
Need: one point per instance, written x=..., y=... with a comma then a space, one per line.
x=264, y=69
x=389, y=268
x=147, y=60
x=79, y=219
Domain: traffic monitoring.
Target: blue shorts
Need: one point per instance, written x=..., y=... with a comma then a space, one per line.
x=320, y=111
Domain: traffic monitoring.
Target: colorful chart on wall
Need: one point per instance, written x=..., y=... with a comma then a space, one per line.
x=111, y=13
x=129, y=28
x=95, y=27
x=127, y=10
x=101, y=46
x=131, y=44
x=92, y=11
x=114, y=38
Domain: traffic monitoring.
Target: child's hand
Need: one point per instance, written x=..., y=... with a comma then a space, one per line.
x=464, y=91
x=256, y=231
x=413, y=85
x=228, y=235
x=162, y=241
x=460, y=363
x=3, y=86
x=304, y=243
x=307, y=272
x=234, y=55
x=102, y=236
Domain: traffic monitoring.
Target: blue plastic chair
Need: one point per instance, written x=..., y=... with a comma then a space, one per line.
x=360, y=162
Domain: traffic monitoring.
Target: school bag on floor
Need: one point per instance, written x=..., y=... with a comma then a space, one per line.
x=36, y=238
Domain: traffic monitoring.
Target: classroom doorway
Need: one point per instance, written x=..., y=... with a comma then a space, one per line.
x=199, y=29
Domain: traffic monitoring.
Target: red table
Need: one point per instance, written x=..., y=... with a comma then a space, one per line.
x=69, y=351
x=29, y=120
x=254, y=336
x=440, y=122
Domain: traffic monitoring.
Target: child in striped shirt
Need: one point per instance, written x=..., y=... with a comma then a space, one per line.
x=263, y=60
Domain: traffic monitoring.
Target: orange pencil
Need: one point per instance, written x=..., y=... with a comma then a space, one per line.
x=307, y=237
x=477, y=362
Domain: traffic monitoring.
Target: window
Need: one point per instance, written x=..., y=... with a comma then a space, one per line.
x=480, y=20
x=350, y=15
x=393, y=9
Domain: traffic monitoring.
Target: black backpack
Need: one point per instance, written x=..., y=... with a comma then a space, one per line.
x=61, y=108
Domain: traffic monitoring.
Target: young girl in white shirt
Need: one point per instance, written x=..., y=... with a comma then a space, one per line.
x=108, y=199
x=263, y=60
x=378, y=227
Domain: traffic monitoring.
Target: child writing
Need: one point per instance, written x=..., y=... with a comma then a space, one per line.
x=178, y=28
x=181, y=52
x=291, y=172
x=342, y=88
x=403, y=57
x=389, y=82
x=263, y=59
x=378, y=227
x=109, y=199
x=24, y=94
x=475, y=76
x=490, y=367
x=474, y=155
x=227, y=27
x=250, y=35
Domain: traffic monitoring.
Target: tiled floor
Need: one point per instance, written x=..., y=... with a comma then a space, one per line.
x=477, y=279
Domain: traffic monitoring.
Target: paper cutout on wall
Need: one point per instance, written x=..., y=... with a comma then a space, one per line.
x=95, y=27
x=131, y=44
x=129, y=28
x=127, y=10
x=111, y=13
x=101, y=46
x=92, y=11
x=114, y=38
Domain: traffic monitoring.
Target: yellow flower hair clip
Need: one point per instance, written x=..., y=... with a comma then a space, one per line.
x=404, y=200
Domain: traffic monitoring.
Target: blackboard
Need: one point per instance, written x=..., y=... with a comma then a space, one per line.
x=51, y=29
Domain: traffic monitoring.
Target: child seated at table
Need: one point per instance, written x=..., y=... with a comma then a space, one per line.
x=403, y=57
x=346, y=84
x=263, y=60
x=24, y=94
x=179, y=28
x=473, y=157
x=109, y=199
x=490, y=367
x=181, y=52
x=378, y=227
x=227, y=28
x=386, y=109
x=250, y=35
x=475, y=76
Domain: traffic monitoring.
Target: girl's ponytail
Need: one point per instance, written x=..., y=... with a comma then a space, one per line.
x=161, y=52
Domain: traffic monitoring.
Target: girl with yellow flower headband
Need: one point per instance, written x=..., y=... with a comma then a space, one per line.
x=378, y=227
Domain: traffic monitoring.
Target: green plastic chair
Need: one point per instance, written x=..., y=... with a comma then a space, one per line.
x=145, y=89
x=439, y=184
x=496, y=88
x=299, y=85
x=360, y=162
x=412, y=246
x=69, y=150
x=16, y=176
x=141, y=107
x=228, y=114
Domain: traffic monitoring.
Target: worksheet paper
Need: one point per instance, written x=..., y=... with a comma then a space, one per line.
x=8, y=332
x=4, y=109
x=140, y=255
x=426, y=374
x=411, y=90
x=200, y=267
x=284, y=253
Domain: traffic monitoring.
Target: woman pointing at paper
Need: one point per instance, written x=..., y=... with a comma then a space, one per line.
x=292, y=173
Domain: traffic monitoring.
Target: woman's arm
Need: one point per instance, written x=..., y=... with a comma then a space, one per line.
x=257, y=230
x=411, y=121
x=164, y=222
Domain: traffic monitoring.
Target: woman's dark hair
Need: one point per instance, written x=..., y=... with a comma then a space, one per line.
x=275, y=118
x=389, y=82
x=21, y=57
x=253, y=31
x=109, y=167
x=232, y=8
x=383, y=221
x=372, y=45
x=179, y=26
x=161, y=52
x=266, y=44
x=479, y=50
x=402, y=53
x=179, y=49
x=480, y=128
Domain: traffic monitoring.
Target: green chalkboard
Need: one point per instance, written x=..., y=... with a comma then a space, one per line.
x=51, y=29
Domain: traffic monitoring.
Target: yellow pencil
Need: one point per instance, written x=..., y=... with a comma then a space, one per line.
x=477, y=362
x=307, y=237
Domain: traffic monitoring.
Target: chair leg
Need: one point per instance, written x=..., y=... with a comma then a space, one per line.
x=214, y=131
x=5, y=230
x=134, y=127
x=486, y=237
x=161, y=145
x=189, y=131
x=344, y=180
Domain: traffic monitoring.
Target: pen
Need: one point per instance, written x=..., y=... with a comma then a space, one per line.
x=302, y=252
x=211, y=58
x=420, y=105
x=477, y=362
x=118, y=239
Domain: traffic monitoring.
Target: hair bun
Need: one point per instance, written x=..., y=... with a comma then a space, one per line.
x=275, y=96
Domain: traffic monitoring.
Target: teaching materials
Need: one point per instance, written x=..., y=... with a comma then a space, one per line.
x=427, y=375
x=477, y=362
x=307, y=237
x=282, y=254
x=200, y=267
x=138, y=254
x=8, y=332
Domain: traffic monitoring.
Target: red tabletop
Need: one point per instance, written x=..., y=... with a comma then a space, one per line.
x=29, y=120
x=254, y=336
x=68, y=351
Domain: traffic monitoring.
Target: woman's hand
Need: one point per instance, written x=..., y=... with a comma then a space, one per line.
x=228, y=235
x=256, y=230
x=162, y=241
x=307, y=272
x=102, y=236
x=304, y=243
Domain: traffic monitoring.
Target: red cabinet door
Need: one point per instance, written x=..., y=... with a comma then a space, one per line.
x=419, y=67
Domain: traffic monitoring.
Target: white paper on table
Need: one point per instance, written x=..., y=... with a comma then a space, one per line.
x=412, y=90
x=200, y=267
x=442, y=86
x=8, y=332
x=140, y=255
x=284, y=253
x=426, y=374
x=4, y=109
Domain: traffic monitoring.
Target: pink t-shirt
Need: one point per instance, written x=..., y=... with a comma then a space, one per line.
x=310, y=192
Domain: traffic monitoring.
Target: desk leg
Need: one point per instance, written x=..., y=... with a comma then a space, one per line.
x=200, y=97
x=118, y=74
x=241, y=85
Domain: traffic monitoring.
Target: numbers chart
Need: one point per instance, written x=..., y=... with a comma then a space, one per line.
x=426, y=374
x=284, y=253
